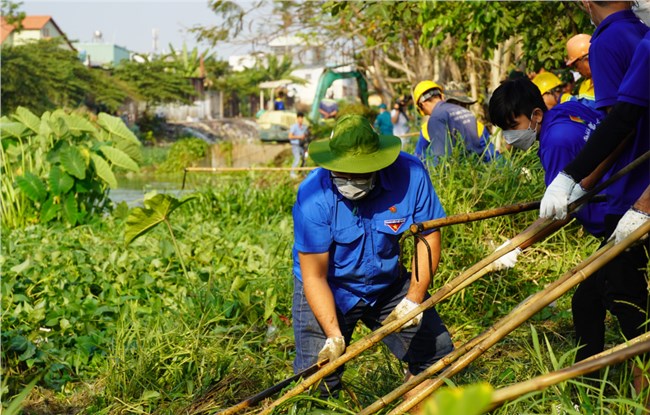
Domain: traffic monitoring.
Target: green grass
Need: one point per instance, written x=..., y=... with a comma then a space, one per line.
x=113, y=329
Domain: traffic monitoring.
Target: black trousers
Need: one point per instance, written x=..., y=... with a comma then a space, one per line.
x=621, y=287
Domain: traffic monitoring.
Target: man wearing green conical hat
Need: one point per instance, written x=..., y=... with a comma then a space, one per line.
x=348, y=218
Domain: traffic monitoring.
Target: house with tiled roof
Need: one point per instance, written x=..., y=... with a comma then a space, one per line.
x=33, y=28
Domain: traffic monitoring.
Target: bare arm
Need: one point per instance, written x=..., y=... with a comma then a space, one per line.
x=318, y=292
x=643, y=203
x=426, y=267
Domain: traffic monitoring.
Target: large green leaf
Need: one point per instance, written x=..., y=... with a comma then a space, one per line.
x=26, y=117
x=32, y=186
x=57, y=124
x=73, y=162
x=116, y=127
x=78, y=124
x=49, y=210
x=104, y=170
x=12, y=129
x=60, y=181
x=157, y=209
x=70, y=210
x=134, y=150
x=119, y=158
x=469, y=400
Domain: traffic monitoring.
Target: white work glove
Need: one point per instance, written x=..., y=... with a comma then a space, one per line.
x=509, y=260
x=334, y=347
x=630, y=222
x=556, y=198
x=403, y=308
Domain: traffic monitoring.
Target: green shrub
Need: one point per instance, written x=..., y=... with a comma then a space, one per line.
x=184, y=153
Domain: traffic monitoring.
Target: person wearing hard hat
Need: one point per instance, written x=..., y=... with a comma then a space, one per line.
x=448, y=125
x=551, y=88
x=578, y=58
x=348, y=217
x=460, y=98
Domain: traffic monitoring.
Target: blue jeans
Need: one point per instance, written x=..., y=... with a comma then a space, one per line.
x=419, y=347
x=298, y=158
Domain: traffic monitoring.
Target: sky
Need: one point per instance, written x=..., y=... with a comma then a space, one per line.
x=130, y=23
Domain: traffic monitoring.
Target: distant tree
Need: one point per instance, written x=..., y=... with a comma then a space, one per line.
x=156, y=81
x=11, y=13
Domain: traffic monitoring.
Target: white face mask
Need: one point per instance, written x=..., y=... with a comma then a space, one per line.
x=354, y=189
x=521, y=139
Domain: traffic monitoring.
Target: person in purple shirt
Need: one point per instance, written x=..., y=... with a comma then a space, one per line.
x=348, y=217
x=622, y=283
x=517, y=107
x=618, y=57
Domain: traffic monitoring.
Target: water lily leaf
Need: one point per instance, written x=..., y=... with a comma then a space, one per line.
x=32, y=186
x=116, y=127
x=119, y=158
x=104, y=170
x=28, y=118
x=157, y=209
x=70, y=210
x=60, y=181
x=73, y=162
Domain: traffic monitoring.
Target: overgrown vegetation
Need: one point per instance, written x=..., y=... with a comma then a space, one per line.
x=80, y=307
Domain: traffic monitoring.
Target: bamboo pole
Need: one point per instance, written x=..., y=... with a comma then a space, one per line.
x=620, y=353
x=520, y=315
x=253, y=168
x=373, y=338
x=474, y=216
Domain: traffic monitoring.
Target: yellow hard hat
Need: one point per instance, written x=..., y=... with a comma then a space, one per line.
x=420, y=90
x=577, y=47
x=546, y=81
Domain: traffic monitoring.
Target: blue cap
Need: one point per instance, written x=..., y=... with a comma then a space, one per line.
x=382, y=105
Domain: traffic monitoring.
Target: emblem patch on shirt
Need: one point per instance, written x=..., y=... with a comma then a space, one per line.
x=576, y=119
x=394, y=224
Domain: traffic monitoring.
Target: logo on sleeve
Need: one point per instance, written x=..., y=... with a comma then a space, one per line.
x=394, y=224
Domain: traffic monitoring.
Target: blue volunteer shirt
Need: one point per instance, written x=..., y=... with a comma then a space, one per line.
x=565, y=130
x=362, y=237
x=610, y=52
x=634, y=89
x=297, y=130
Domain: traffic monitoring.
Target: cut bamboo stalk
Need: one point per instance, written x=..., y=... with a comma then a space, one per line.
x=520, y=315
x=620, y=353
x=474, y=216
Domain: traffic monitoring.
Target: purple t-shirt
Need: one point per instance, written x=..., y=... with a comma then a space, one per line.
x=565, y=130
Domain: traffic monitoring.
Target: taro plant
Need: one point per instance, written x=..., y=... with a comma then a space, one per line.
x=60, y=166
x=156, y=210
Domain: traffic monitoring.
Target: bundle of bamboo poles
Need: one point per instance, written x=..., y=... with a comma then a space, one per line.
x=463, y=356
x=534, y=233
